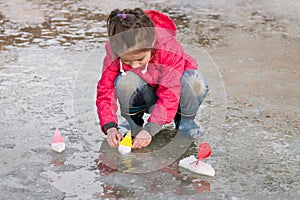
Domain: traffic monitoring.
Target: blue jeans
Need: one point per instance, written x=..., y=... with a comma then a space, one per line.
x=136, y=96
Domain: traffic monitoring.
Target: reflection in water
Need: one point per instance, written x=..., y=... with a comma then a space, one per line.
x=112, y=169
x=58, y=159
x=187, y=184
x=165, y=148
x=114, y=192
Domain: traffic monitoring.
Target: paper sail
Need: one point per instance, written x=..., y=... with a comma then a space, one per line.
x=204, y=151
x=125, y=144
x=190, y=163
x=58, y=143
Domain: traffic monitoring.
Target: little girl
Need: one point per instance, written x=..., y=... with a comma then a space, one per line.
x=147, y=71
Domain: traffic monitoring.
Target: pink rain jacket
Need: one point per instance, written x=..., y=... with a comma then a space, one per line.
x=163, y=74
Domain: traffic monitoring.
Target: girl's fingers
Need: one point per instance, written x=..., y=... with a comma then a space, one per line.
x=114, y=142
x=136, y=143
x=140, y=143
x=113, y=135
x=144, y=143
x=142, y=139
x=110, y=142
x=147, y=143
x=113, y=139
x=119, y=136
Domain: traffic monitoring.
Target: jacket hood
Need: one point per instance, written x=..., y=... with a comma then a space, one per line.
x=162, y=21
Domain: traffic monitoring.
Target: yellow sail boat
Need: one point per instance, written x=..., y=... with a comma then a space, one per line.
x=125, y=144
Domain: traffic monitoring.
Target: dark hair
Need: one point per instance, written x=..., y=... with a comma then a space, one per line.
x=130, y=30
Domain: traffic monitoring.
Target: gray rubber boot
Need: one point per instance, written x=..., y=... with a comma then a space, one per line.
x=187, y=126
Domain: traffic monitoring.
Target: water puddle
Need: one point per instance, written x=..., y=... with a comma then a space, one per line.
x=64, y=25
x=49, y=68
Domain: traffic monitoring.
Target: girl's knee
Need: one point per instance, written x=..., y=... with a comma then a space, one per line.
x=129, y=82
x=194, y=81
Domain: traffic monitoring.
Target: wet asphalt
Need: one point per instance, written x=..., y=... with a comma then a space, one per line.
x=50, y=62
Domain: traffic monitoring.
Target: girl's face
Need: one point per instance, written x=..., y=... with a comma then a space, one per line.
x=136, y=59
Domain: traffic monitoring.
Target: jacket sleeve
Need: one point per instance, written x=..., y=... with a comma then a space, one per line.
x=173, y=62
x=106, y=96
x=168, y=93
x=171, y=68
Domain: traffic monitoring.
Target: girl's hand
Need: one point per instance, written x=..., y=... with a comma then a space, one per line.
x=142, y=139
x=113, y=135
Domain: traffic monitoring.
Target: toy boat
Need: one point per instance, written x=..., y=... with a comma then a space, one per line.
x=58, y=143
x=197, y=165
x=125, y=144
x=191, y=164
